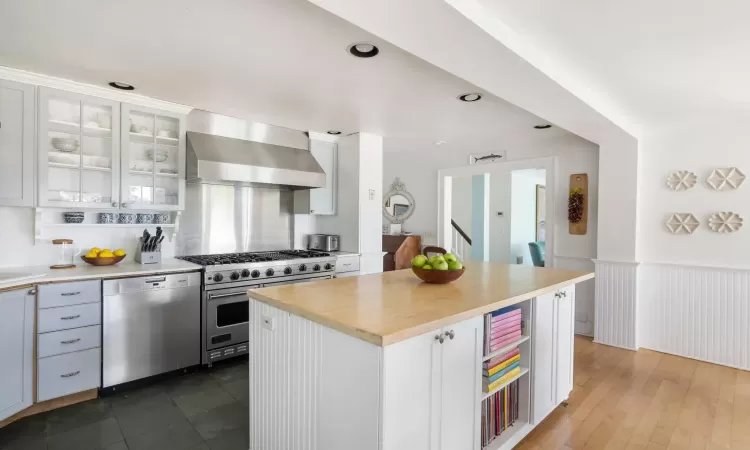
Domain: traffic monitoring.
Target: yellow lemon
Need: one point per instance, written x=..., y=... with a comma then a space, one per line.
x=105, y=254
x=107, y=250
x=95, y=250
x=119, y=252
x=92, y=254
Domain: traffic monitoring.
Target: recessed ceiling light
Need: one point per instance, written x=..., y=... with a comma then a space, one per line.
x=333, y=132
x=440, y=143
x=122, y=86
x=470, y=97
x=543, y=127
x=363, y=50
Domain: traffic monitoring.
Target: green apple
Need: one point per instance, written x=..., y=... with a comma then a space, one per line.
x=441, y=265
x=419, y=261
x=455, y=265
x=427, y=267
x=450, y=257
x=432, y=260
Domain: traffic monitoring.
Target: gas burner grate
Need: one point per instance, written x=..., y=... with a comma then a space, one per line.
x=251, y=257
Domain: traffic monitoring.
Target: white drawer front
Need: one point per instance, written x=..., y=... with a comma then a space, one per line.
x=64, y=294
x=64, y=318
x=69, y=373
x=67, y=341
x=347, y=264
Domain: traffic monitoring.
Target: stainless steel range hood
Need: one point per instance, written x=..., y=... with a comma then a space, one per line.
x=212, y=158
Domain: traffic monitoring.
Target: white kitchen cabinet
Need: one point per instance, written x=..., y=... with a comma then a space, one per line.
x=16, y=144
x=153, y=159
x=565, y=314
x=321, y=201
x=543, y=370
x=554, y=321
x=17, y=351
x=432, y=389
x=79, y=150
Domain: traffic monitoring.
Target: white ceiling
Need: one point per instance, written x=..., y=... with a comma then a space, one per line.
x=282, y=62
x=659, y=61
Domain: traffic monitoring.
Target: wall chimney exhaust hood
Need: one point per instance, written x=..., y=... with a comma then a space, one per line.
x=218, y=158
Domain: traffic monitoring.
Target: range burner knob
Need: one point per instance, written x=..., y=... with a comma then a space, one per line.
x=316, y=267
x=245, y=273
x=302, y=268
x=329, y=266
x=288, y=271
x=269, y=272
x=255, y=273
x=234, y=276
x=218, y=277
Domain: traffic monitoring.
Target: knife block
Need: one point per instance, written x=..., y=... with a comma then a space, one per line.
x=148, y=257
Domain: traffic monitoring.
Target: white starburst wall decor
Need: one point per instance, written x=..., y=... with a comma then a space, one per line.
x=682, y=223
x=725, y=179
x=725, y=222
x=682, y=180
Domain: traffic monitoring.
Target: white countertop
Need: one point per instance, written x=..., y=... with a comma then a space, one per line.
x=22, y=276
x=337, y=254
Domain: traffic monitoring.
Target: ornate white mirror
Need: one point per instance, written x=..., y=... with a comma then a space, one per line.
x=398, y=203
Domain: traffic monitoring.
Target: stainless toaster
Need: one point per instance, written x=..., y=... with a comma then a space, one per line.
x=323, y=242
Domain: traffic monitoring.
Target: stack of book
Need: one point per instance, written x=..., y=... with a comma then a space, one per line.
x=500, y=369
x=499, y=411
x=501, y=328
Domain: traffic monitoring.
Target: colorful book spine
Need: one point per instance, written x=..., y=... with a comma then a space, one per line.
x=508, y=339
x=500, y=366
x=501, y=373
x=498, y=359
x=488, y=387
x=494, y=337
x=500, y=326
x=499, y=412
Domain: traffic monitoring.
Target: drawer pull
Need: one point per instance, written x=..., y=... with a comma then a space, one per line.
x=72, y=341
x=70, y=317
x=71, y=374
x=69, y=294
x=347, y=264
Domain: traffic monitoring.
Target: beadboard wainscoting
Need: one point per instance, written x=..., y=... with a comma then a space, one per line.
x=616, y=303
x=584, y=307
x=696, y=312
x=305, y=361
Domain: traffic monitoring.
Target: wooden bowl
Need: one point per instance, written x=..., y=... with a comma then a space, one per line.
x=103, y=261
x=438, y=276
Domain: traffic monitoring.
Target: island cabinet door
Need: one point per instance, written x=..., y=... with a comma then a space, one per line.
x=543, y=374
x=411, y=393
x=564, y=343
x=461, y=385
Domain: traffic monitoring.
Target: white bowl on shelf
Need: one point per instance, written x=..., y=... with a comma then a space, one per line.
x=158, y=155
x=65, y=144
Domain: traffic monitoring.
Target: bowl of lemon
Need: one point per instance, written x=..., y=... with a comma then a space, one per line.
x=105, y=257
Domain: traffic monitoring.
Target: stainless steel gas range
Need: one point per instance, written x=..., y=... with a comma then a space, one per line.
x=226, y=279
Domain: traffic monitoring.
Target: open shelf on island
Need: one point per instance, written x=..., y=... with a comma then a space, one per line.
x=507, y=348
x=524, y=371
x=512, y=434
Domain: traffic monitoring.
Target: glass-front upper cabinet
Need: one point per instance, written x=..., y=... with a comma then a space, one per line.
x=153, y=159
x=79, y=150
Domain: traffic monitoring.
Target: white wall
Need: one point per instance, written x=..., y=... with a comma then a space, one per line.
x=417, y=168
x=500, y=226
x=19, y=248
x=523, y=212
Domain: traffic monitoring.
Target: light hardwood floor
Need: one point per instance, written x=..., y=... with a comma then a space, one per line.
x=646, y=400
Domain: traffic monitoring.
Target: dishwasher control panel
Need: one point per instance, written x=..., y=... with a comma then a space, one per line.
x=151, y=283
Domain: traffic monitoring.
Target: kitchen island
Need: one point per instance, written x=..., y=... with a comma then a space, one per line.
x=387, y=362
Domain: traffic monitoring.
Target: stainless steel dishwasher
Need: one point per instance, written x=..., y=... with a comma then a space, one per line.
x=150, y=325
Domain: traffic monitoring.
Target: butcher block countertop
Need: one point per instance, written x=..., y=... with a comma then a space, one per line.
x=390, y=307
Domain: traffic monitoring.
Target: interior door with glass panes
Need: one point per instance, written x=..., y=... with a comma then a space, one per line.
x=79, y=159
x=153, y=159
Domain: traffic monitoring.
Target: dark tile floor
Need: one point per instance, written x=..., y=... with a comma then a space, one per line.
x=198, y=411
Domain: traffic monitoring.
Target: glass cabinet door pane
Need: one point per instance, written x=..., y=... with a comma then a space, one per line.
x=64, y=184
x=141, y=159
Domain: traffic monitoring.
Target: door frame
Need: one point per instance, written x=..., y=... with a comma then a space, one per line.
x=445, y=177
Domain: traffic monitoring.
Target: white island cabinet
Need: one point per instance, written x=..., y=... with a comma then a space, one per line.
x=16, y=351
x=385, y=362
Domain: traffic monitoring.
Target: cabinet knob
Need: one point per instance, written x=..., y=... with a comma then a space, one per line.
x=450, y=334
x=312, y=211
x=31, y=292
x=114, y=204
x=124, y=205
x=439, y=337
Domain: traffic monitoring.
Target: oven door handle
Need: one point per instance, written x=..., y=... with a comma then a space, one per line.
x=213, y=296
